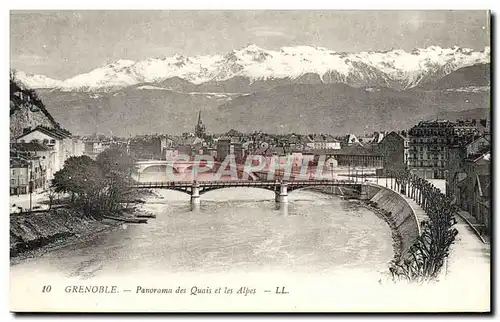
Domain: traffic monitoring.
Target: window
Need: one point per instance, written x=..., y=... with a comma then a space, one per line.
x=12, y=181
x=45, y=141
x=52, y=141
x=34, y=141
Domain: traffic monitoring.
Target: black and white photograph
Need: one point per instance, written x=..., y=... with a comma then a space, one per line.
x=250, y=161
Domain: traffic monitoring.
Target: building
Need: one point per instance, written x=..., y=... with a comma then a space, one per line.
x=45, y=154
x=210, y=151
x=147, y=147
x=92, y=148
x=59, y=141
x=322, y=142
x=223, y=149
x=199, y=129
x=230, y=146
x=355, y=156
x=349, y=140
x=26, y=170
x=428, y=145
x=468, y=176
x=394, y=150
x=171, y=154
x=470, y=185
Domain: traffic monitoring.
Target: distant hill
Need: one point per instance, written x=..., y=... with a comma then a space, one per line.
x=339, y=108
x=471, y=77
x=473, y=114
x=301, y=108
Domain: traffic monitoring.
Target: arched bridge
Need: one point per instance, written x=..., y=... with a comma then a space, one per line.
x=179, y=167
x=196, y=188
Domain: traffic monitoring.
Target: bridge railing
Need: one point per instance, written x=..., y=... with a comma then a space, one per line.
x=162, y=184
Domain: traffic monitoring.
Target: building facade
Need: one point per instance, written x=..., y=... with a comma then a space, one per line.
x=27, y=174
x=468, y=177
x=322, y=142
x=394, y=150
x=428, y=146
x=60, y=143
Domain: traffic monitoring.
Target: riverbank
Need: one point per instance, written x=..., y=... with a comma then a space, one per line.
x=37, y=233
x=32, y=235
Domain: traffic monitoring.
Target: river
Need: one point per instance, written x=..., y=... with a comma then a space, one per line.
x=235, y=230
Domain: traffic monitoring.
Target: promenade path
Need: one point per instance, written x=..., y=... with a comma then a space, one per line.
x=467, y=270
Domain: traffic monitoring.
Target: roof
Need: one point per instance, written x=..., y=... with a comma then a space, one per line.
x=55, y=133
x=321, y=138
x=475, y=139
x=366, y=140
x=189, y=141
x=350, y=138
x=348, y=150
x=486, y=156
x=394, y=133
x=30, y=146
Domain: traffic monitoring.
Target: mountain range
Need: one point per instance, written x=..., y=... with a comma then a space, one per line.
x=295, y=89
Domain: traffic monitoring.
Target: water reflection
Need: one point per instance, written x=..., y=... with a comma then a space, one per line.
x=282, y=208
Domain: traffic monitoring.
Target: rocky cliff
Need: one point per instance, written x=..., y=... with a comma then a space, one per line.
x=26, y=110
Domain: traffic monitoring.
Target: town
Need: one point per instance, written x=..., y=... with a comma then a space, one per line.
x=455, y=151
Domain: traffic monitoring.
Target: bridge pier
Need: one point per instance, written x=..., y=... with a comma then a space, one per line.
x=282, y=197
x=364, y=192
x=195, y=194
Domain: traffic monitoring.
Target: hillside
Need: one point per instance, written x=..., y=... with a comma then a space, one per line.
x=132, y=111
x=27, y=110
x=329, y=108
x=466, y=78
x=339, y=108
x=476, y=113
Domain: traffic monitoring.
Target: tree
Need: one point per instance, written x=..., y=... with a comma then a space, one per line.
x=117, y=167
x=97, y=186
x=82, y=177
x=51, y=194
x=427, y=255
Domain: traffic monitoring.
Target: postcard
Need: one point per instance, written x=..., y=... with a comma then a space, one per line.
x=250, y=161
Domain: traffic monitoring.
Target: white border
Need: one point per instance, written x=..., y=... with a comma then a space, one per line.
x=185, y=4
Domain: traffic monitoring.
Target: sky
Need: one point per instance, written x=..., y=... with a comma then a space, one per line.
x=63, y=44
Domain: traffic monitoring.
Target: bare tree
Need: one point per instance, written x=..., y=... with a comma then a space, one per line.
x=51, y=194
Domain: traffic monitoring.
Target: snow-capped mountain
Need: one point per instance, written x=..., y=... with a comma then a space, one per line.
x=37, y=81
x=396, y=69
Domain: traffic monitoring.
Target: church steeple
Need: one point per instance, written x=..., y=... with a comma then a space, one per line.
x=199, y=130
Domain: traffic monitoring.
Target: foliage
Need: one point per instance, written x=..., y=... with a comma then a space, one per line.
x=96, y=186
x=427, y=255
